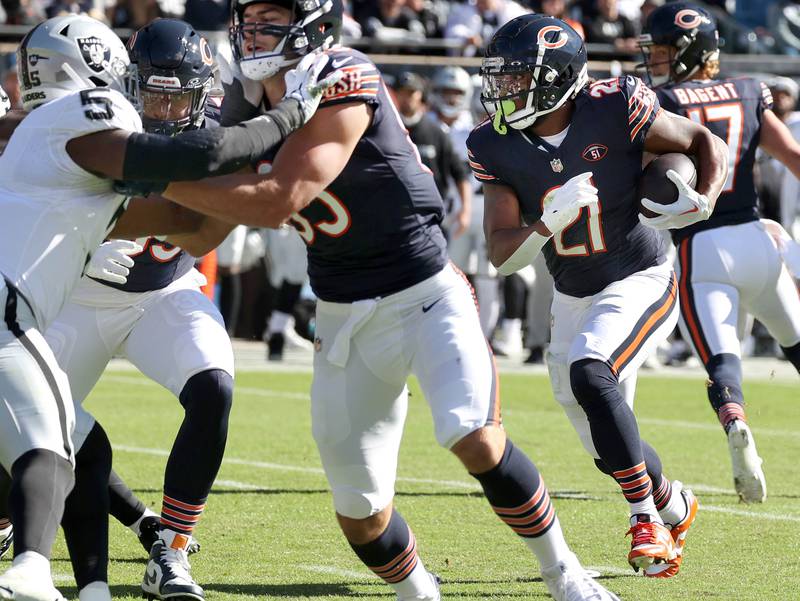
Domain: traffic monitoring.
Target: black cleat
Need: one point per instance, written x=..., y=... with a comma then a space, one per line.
x=5, y=541
x=167, y=576
x=275, y=345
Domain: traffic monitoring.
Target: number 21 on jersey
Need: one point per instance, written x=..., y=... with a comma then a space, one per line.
x=595, y=239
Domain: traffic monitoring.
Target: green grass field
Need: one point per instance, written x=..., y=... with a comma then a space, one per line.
x=269, y=529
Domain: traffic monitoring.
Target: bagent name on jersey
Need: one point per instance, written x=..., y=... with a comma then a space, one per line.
x=715, y=93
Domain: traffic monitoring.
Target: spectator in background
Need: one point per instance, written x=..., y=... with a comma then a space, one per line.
x=429, y=16
x=350, y=27
x=132, y=14
x=11, y=86
x=557, y=9
x=610, y=27
x=648, y=6
x=474, y=22
x=389, y=20
x=785, y=93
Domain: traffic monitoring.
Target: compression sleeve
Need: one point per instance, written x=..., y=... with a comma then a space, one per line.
x=205, y=152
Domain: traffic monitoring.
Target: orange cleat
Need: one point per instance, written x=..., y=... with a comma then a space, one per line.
x=652, y=543
x=678, y=532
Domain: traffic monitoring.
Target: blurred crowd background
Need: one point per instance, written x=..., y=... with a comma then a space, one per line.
x=429, y=52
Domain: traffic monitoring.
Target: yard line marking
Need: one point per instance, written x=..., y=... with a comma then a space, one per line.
x=446, y=483
x=751, y=514
x=709, y=489
x=611, y=570
x=653, y=421
x=336, y=572
x=238, y=485
x=63, y=578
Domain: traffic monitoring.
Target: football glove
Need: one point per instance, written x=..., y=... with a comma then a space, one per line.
x=302, y=84
x=141, y=189
x=111, y=262
x=563, y=205
x=690, y=207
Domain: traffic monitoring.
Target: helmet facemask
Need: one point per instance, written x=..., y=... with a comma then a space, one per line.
x=517, y=95
x=172, y=109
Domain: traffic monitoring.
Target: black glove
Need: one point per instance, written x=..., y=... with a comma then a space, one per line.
x=143, y=189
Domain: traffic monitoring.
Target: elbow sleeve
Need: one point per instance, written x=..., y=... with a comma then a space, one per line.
x=200, y=153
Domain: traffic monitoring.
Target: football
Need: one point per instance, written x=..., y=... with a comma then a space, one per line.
x=655, y=185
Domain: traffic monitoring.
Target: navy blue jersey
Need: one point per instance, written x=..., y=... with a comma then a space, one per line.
x=732, y=109
x=606, y=136
x=376, y=229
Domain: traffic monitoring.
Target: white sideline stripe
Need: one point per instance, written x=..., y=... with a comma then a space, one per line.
x=63, y=578
x=237, y=485
x=711, y=489
x=653, y=421
x=451, y=483
x=612, y=570
x=336, y=572
x=751, y=514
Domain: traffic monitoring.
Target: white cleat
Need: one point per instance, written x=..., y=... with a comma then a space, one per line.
x=748, y=477
x=568, y=581
x=436, y=595
x=6, y=539
x=19, y=583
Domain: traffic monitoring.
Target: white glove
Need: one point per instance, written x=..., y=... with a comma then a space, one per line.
x=111, y=262
x=302, y=84
x=5, y=103
x=563, y=205
x=690, y=207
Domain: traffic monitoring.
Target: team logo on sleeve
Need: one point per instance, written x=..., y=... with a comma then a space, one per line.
x=689, y=18
x=594, y=152
x=561, y=39
x=95, y=53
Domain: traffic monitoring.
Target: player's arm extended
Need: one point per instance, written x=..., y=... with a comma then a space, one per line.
x=673, y=133
x=191, y=155
x=306, y=164
x=209, y=235
x=511, y=246
x=146, y=216
x=777, y=141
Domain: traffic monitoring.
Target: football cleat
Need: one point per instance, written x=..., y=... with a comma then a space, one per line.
x=748, y=477
x=6, y=538
x=678, y=532
x=437, y=596
x=149, y=528
x=568, y=581
x=275, y=344
x=166, y=575
x=652, y=543
x=19, y=583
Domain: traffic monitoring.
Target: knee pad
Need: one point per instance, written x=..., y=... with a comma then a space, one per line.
x=724, y=379
x=595, y=387
x=358, y=505
x=213, y=390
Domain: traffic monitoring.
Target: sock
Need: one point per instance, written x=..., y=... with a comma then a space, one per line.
x=95, y=591
x=519, y=497
x=85, y=520
x=393, y=557
x=724, y=387
x=33, y=561
x=728, y=412
x=198, y=449
x=792, y=354
x=41, y=481
x=136, y=526
x=637, y=488
x=671, y=506
x=278, y=322
x=123, y=504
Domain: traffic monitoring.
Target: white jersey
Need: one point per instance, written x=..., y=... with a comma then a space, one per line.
x=54, y=213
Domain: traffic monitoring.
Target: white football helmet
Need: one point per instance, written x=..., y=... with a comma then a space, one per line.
x=74, y=52
x=450, y=79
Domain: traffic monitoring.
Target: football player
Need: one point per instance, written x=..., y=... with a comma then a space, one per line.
x=390, y=304
x=82, y=130
x=559, y=161
x=730, y=261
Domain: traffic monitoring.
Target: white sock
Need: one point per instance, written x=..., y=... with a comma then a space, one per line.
x=418, y=585
x=95, y=591
x=278, y=322
x=550, y=548
x=135, y=526
x=31, y=560
x=675, y=509
x=512, y=330
x=647, y=506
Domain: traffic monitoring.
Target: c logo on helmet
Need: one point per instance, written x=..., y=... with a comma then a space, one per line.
x=205, y=52
x=689, y=18
x=560, y=41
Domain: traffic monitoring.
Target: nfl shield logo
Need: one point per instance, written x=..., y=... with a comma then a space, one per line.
x=557, y=165
x=95, y=53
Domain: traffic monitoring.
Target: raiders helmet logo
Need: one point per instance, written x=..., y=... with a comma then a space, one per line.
x=95, y=53
x=560, y=40
x=689, y=18
x=594, y=152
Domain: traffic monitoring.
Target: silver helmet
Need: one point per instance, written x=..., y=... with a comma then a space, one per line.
x=450, y=91
x=69, y=53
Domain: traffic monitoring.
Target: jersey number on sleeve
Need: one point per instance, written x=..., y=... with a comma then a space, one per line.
x=733, y=113
x=98, y=105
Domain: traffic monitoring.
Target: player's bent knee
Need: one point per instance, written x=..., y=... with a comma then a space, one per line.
x=212, y=389
x=594, y=385
x=356, y=505
x=481, y=449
